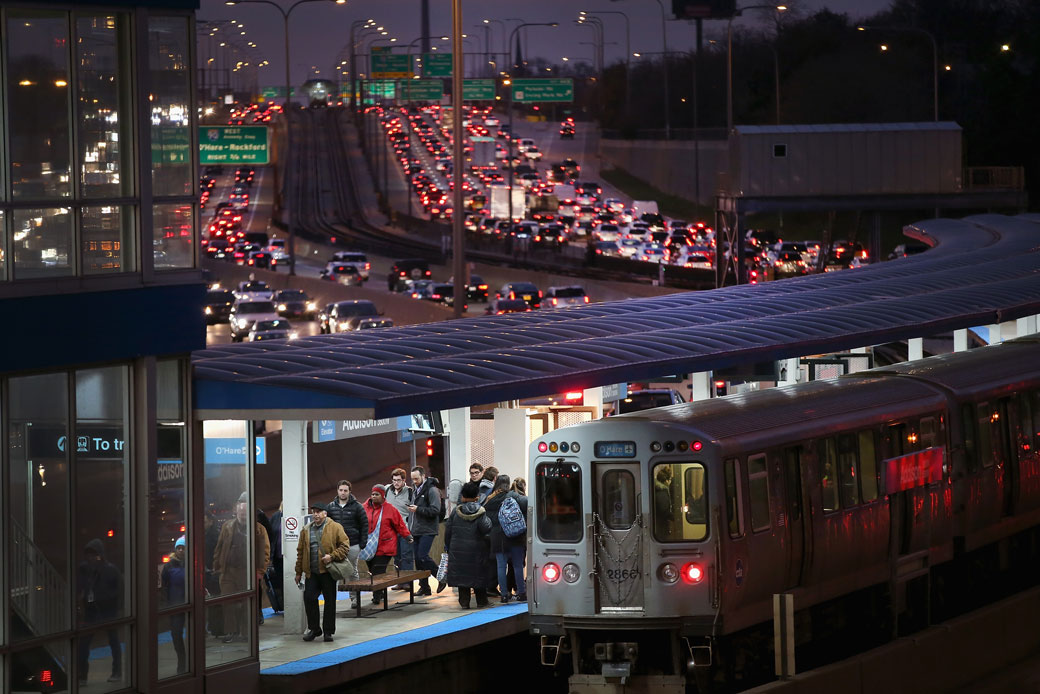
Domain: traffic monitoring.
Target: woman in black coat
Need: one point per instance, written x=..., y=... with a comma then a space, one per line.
x=507, y=550
x=465, y=541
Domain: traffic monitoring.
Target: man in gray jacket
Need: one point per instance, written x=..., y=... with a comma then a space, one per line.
x=425, y=524
x=401, y=496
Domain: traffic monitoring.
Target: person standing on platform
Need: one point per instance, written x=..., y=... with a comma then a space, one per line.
x=321, y=543
x=401, y=496
x=346, y=510
x=100, y=600
x=487, y=482
x=507, y=549
x=465, y=541
x=174, y=592
x=230, y=560
x=426, y=518
x=391, y=526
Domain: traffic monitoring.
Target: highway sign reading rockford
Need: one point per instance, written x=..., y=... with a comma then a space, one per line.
x=233, y=144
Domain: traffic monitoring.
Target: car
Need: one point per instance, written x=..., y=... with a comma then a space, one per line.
x=254, y=290
x=524, y=144
x=442, y=293
x=648, y=398
x=343, y=316
x=262, y=259
x=790, y=263
x=372, y=323
x=275, y=329
x=502, y=306
x=245, y=312
x=607, y=248
x=217, y=306
x=278, y=250
x=561, y=297
x=607, y=232
x=907, y=249
x=415, y=268
x=294, y=303
x=567, y=132
x=551, y=236
x=629, y=247
x=355, y=258
x=342, y=273
x=477, y=289
x=653, y=253
x=533, y=153
x=417, y=288
x=696, y=258
x=526, y=291
x=491, y=121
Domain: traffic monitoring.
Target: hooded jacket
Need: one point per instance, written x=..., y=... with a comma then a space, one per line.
x=174, y=583
x=353, y=519
x=465, y=541
x=427, y=517
x=391, y=526
x=492, y=505
x=100, y=583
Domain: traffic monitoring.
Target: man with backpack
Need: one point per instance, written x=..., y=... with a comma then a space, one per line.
x=508, y=513
x=401, y=496
x=427, y=511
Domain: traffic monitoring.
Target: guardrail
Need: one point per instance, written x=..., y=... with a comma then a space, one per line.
x=37, y=588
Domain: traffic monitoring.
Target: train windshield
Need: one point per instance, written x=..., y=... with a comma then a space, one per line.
x=680, y=502
x=558, y=489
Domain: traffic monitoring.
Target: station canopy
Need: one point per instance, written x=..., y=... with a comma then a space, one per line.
x=981, y=270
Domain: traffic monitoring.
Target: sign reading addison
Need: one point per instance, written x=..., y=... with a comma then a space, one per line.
x=234, y=144
x=914, y=469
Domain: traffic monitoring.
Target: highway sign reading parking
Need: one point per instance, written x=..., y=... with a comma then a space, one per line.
x=421, y=90
x=436, y=64
x=233, y=144
x=541, y=90
x=478, y=90
x=390, y=65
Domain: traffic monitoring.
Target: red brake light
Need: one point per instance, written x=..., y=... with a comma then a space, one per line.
x=692, y=573
x=551, y=573
x=555, y=301
x=586, y=299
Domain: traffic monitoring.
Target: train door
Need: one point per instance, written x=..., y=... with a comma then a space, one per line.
x=798, y=539
x=1007, y=454
x=617, y=537
x=899, y=504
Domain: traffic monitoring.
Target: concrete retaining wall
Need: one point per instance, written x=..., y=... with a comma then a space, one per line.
x=669, y=165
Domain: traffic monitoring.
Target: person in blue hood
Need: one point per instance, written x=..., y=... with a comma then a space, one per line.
x=174, y=592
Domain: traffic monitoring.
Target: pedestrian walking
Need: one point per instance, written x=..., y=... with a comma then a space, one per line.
x=321, y=542
x=466, y=542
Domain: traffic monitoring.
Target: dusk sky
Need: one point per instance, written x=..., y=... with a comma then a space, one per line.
x=319, y=30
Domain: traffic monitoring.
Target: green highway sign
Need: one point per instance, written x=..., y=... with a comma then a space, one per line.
x=272, y=93
x=478, y=90
x=171, y=144
x=421, y=90
x=382, y=49
x=436, y=64
x=233, y=144
x=543, y=89
x=390, y=65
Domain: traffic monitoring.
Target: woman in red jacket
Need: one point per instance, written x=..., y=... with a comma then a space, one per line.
x=390, y=526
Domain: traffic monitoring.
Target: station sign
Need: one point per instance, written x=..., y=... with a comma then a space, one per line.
x=615, y=391
x=436, y=64
x=914, y=469
x=542, y=89
x=97, y=442
x=335, y=430
x=386, y=65
x=478, y=90
x=234, y=144
x=421, y=90
x=232, y=451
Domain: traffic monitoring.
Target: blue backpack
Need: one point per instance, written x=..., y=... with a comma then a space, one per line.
x=511, y=518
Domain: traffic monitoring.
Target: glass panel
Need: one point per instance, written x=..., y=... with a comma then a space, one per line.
x=1025, y=423
x=38, y=517
x=107, y=235
x=103, y=113
x=38, y=104
x=734, y=504
x=848, y=470
x=828, y=475
x=969, y=426
x=929, y=432
x=985, y=433
x=173, y=645
x=3, y=244
x=103, y=659
x=234, y=646
x=101, y=458
x=680, y=502
x=1034, y=398
x=168, y=60
x=558, y=486
x=758, y=487
x=793, y=481
x=169, y=510
x=867, y=466
x=42, y=242
x=618, y=499
x=32, y=670
x=173, y=232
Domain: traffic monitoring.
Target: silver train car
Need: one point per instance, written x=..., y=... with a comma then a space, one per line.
x=880, y=500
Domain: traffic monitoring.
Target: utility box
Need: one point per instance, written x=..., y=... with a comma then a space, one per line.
x=845, y=159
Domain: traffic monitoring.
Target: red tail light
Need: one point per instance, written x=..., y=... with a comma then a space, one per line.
x=692, y=573
x=512, y=295
x=586, y=299
x=554, y=301
x=551, y=573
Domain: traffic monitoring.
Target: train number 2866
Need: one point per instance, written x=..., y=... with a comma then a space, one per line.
x=622, y=574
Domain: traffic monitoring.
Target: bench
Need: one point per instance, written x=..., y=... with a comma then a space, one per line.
x=384, y=582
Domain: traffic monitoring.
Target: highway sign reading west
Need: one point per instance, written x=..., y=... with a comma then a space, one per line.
x=390, y=65
x=436, y=64
x=543, y=89
x=233, y=144
x=478, y=90
x=421, y=90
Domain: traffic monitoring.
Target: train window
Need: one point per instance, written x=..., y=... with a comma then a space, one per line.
x=868, y=480
x=680, y=502
x=1006, y=450
x=793, y=481
x=848, y=469
x=558, y=489
x=968, y=423
x=899, y=437
x=929, y=432
x=1028, y=406
x=734, y=502
x=758, y=492
x=985, y=434
x=828, y=475
x=1034, y=398
x=618, y=499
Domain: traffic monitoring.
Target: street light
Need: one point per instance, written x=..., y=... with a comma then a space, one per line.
x=935, y=59
x=505, y=50
x=628, y=57
x=288, y=211
x=729, y=57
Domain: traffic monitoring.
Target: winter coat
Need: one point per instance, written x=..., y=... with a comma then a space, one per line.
x=401, y=501
x=333, y=542
x=465, y=541
x=222, y=559
x=391, y=526
x=485, y=488
x=427, y=517
x=100, y=584
x=492, y=505
x=276, y=527
x=353, y=519
x=174, y=586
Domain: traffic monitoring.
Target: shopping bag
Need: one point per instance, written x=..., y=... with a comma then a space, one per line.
x=442, y=570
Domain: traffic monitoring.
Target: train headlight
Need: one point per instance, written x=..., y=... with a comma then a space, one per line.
x=655, y=447
x=571, y=573
x=692, y=573
x=551, y=573
x=669, y=573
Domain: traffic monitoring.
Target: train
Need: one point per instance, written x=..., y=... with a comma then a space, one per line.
x=880, y=501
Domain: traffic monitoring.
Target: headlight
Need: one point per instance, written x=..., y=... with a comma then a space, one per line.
x=571, y=573
x=281, y=307
x=668, y=573
x=242, y=323
x=311, y=306
x=209, y=310
x=293, y=335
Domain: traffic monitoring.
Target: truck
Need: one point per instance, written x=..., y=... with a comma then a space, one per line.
x=646, y=211
x=500, y=202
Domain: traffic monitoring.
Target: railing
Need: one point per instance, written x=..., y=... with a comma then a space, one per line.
x=994, y=178
x=659, y=134
x=37, y=589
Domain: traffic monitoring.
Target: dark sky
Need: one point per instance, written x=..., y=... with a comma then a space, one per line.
x=319, y=30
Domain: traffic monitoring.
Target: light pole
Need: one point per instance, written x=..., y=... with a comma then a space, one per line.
x=288, y=211
x=353, y=60
x=667, y=101
x=458, y=67
x=729, y=57
x=505, y=50
x=512, y=135
x=935, y=59
x=628, y=57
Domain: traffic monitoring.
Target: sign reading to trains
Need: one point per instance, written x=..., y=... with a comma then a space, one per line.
x=234, y=144
x=615, y=449
x=913, y=470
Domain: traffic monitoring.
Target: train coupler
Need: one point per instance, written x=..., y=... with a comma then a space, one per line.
x=550, y=651
x=616, y=660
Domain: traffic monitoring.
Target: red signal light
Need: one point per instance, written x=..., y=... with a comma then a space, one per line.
x=551, y=573
x=542, y=445
x=111, y=533
x=692, y=573
x=574, y=396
